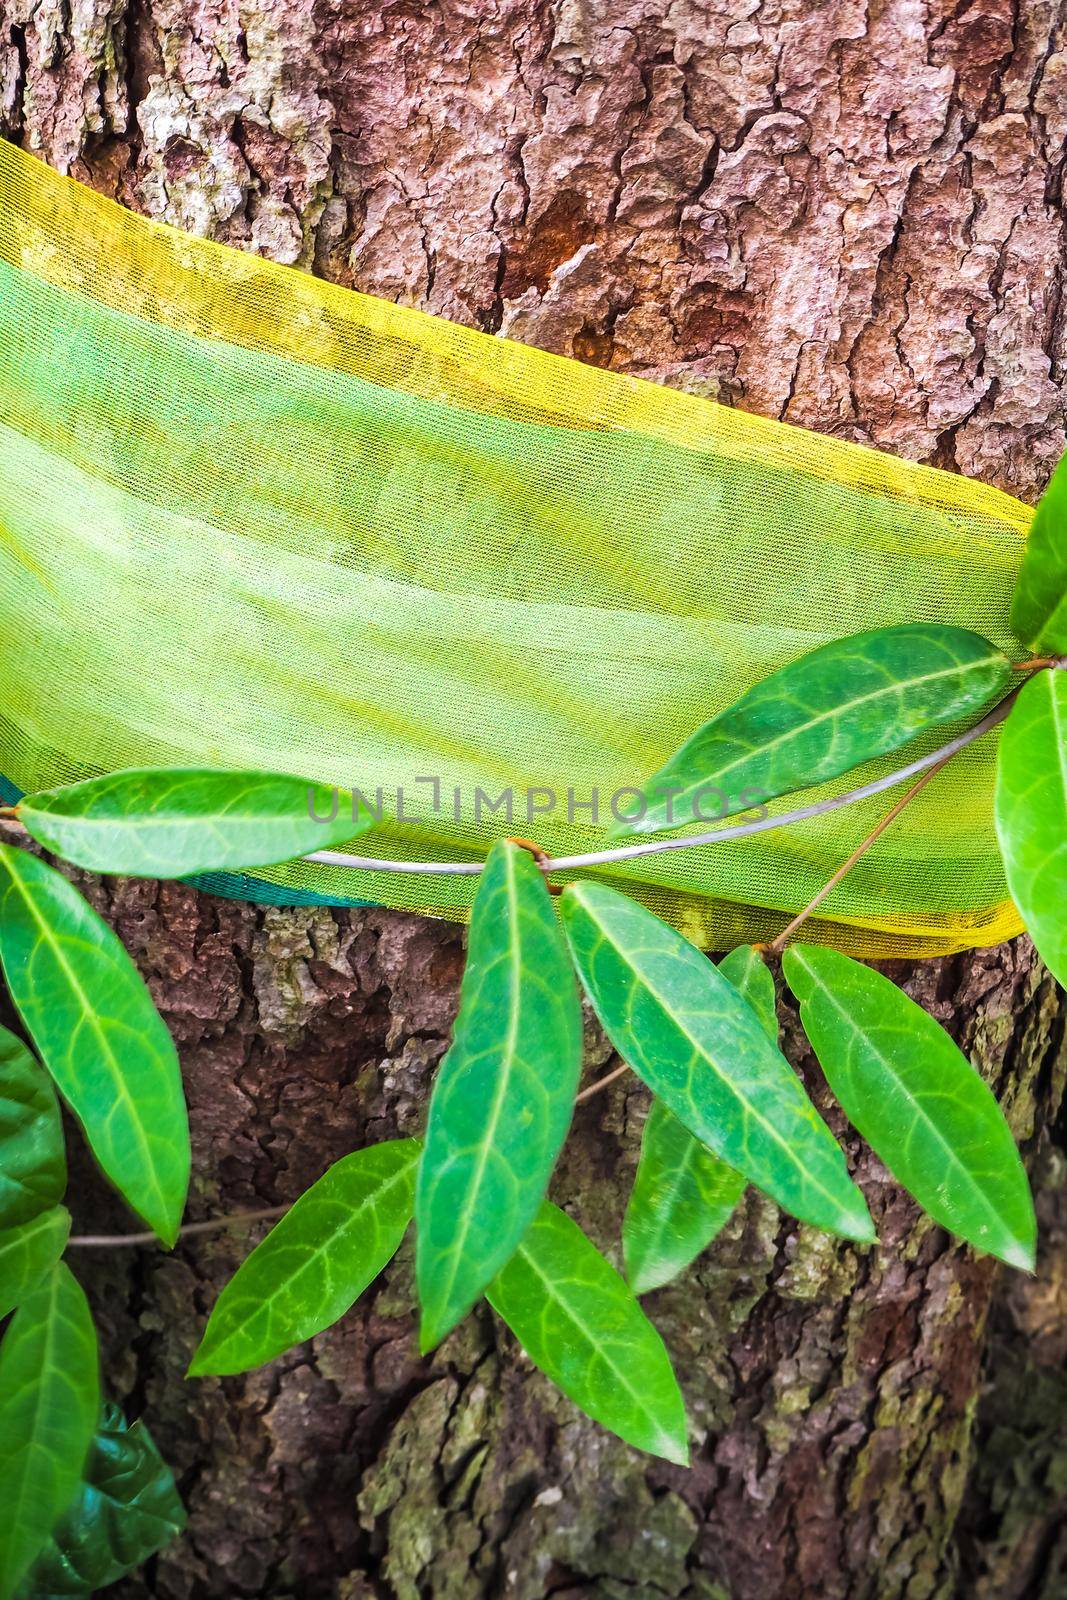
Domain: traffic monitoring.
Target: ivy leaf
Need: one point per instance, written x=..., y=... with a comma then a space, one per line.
x=683, y=1194
x=1031, y=812
x=1039, y=604
x=504, y=1094
x=33, y=1163
x=91, y=1017
x=913, y=1095
x=29, y=1250
x=750, y=975
x=834, y=708
x=577, y=1320
x=125, y=1509
x=49, y=1403
x=171, y=822
x=315, y=1262
x=702, y=1050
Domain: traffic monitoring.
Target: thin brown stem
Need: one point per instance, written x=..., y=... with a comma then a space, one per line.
x=777, y=945
x=601, y=1083
x=237, y=1220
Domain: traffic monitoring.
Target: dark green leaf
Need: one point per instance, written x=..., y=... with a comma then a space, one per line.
x=1031, y=813
x=170, y=822
x=1039, y=604
x=315, y=1262
x=125, y=1509
x=684, y=1194
x=916, y=1099
x=577, y=1320
x=29, y=1250
x=504, y=1094
x=701, y=1048
x=49, y=1404
x=33, y=1163
x=92, y=1019
x=820, y=716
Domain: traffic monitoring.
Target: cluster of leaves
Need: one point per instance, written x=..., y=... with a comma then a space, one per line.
x=83, y=1497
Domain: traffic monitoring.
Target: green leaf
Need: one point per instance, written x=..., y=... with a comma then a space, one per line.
x=750, y=975
x=701, y=1048
x=33, y=1163
x=91, y=1017
x=315, y=1262
x=577, y=1320
x=504, y=1095
x=682, y=1196
x=28, y=1250
x=829, y=711
x=1039, y=604
x=683, y=1193
x=1031, y=812
x=125, y=1509
x=169, y=822
x=49, y=1404
x=915, y=1098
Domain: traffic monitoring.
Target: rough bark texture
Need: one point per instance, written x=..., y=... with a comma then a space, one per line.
x=848, y=216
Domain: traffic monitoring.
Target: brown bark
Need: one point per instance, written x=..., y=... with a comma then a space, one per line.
x=842, y=215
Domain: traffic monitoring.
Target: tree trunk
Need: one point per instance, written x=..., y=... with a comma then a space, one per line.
x=844, y=216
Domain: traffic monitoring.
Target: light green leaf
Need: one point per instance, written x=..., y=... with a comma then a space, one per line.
x=683, y=1193
x=1039, y=604
x=33, y=1163
x=577, y=1320
x=750, y=975
x=169, y=822
x=28, y=1250
x=682, y=1196
x=829, y=711
x=915, y=1098
x=1031, y=812
x=315, y=1262
x=504, y=1095
x=91, y=1017
x=49, y=1404
x=125, y=1509
x=701, y=1048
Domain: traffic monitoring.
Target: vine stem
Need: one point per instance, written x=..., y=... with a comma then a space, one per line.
x=741, y=830
x=238, y=1219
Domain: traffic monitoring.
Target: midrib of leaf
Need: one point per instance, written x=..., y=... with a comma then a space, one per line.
x=679, y=1172
x=701, y=1051
x=504, y=1077
x=554, y=1291
x=923, y=1116
x=828, y=716
x=89, y=1017
x=1061, y=744
x=47, y=1365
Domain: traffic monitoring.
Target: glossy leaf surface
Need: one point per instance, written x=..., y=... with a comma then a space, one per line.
x=703, y=1051
x=916, y=1099
x=91, y=1017
x=504, y=1094
x=168, y=822
x=29, y=1250
x=683, y=1193
x=49, y=1404
x=315, y=1262
x=1031, y=813
x=579, y=1322
x=834, y=708
x=1039, y=604
x=33, y=1163
x=125, y=1509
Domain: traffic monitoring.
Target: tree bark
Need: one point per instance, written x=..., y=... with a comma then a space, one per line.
x=847, y=217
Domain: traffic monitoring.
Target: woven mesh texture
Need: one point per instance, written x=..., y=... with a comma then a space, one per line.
x=250, y=519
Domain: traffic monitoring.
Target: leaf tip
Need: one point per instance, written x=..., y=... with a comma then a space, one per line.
x=1020, y=1253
